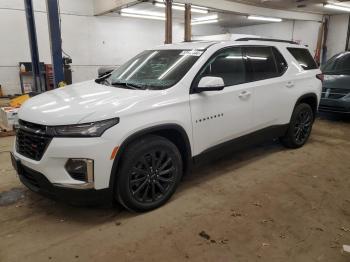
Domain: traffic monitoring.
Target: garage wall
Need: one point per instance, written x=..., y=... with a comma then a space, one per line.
x=281, y=30
x=90, y=41
x=338, y=29
x=110, y=40
x=15, y=45
x=304, y=31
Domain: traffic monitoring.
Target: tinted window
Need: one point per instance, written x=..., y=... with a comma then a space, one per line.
x=228, y=64
x=262, y=62
x=280, y=61
x=339, y=64
x=304, y=58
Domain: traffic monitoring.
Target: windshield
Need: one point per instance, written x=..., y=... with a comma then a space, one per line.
x=338, y=64
x=154, y=69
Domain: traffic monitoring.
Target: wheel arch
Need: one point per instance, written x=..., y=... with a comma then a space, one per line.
x=310, y=99
x=173, y=132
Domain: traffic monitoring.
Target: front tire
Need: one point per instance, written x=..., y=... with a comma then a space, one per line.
x=150, y=172
x=300, y=127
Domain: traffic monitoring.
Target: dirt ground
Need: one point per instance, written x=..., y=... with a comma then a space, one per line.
x=263, y=204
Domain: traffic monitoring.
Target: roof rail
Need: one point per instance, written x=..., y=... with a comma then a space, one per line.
x=266, y=39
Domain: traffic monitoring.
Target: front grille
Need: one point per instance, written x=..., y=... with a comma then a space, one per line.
x=31, y=140
x=334, y=93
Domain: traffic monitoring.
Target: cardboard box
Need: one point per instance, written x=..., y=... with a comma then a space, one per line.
x=8, y=117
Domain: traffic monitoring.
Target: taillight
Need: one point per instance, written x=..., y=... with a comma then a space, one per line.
x=320, y=77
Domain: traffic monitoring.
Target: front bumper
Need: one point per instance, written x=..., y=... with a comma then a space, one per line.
x=334, y=106
x=38, y=183
x=52, y=163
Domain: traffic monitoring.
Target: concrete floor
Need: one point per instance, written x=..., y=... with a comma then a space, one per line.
x=263, y=204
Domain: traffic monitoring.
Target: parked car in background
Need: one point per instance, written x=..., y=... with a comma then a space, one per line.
x=132, y=134
x=336, y=85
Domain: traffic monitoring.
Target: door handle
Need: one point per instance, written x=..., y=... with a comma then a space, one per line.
x=290, y=84
x=244, y=94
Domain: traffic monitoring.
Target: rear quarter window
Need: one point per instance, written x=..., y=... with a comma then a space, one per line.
x=304, y=58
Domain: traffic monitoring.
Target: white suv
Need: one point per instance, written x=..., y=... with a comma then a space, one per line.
x=131, y=135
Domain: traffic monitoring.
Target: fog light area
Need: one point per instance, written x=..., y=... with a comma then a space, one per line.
x=80, y=169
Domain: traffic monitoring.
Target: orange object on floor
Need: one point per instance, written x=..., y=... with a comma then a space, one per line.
x=18, y=101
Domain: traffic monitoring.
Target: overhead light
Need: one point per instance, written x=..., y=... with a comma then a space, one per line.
x=205, y=20
x=181, y=7
x=263, y=18
x=337, y=7
x=142, y=14
x=199, y=7
x=176, y=7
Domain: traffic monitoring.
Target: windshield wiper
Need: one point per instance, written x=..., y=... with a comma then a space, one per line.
x=128, y=85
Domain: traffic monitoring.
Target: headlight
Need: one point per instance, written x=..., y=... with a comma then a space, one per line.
x=93, y=129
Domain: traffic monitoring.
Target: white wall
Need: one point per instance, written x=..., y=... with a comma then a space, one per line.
x=281, y=30
x=110, y=40
x=304, y=31
x=337, y=32
x=91, y=41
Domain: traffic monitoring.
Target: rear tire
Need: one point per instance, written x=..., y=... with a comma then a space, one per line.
x=150, y=172
x=300, y=127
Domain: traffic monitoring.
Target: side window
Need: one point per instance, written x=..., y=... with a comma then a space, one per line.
x=280, y=61
x=262, y=62
x=304, y=58
x=228, y=64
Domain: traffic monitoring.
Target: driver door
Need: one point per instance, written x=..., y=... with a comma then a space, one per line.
x=220, y=116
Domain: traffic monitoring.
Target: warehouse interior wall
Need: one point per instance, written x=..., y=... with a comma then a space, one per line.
x=337, y=33
x=94, y=41
x=305, y=32
x=91, y=41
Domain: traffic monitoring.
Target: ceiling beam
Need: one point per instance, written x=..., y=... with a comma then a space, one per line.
x=245, y=9
x=102, y=7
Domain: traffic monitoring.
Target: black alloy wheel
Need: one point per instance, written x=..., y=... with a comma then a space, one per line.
x=150, y=172
x=152, y=176
x=303, y=126
x=300, y=126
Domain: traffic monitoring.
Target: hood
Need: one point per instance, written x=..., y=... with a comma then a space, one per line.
x=336, y=81
x=82, y=102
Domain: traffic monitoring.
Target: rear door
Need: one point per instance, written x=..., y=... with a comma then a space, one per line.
x=267, y=65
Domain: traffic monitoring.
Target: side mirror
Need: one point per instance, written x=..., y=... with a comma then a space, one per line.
x=210, y=83
x=102, y=71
